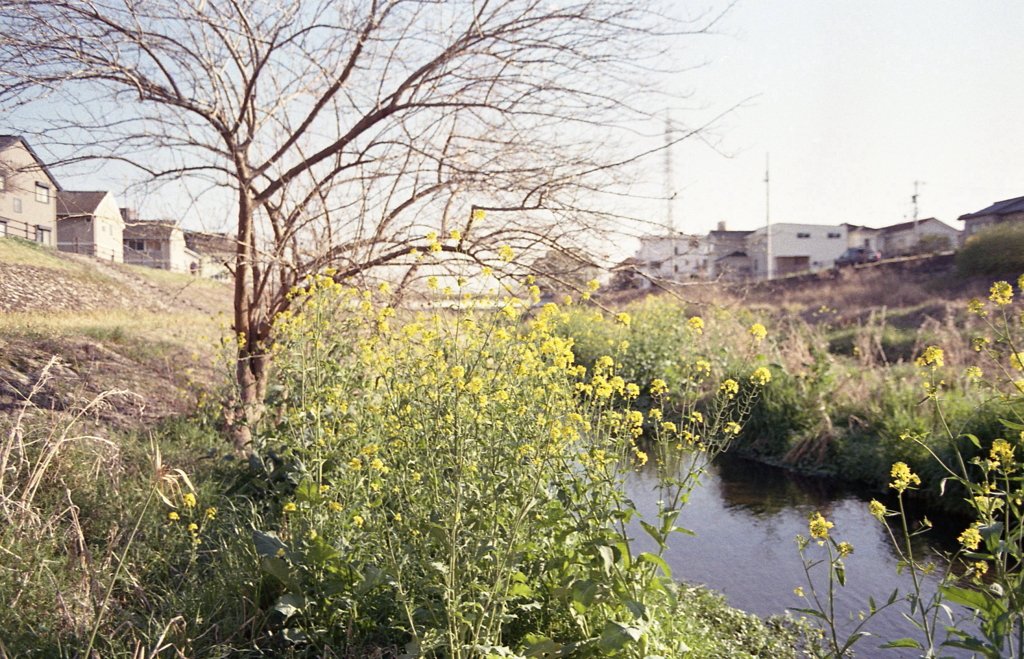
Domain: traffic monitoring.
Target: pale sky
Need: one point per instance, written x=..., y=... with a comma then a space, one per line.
x=854, y=100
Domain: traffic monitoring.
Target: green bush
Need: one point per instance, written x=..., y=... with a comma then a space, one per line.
x=998, y=250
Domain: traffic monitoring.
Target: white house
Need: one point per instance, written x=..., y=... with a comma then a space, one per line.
x=673, y=257
x=90, y=223
x=795, y=248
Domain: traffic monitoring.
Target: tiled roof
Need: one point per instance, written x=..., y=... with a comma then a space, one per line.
x=150, y=229
x=1004, y=207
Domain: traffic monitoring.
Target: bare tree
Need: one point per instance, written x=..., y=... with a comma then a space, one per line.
x=345, y=130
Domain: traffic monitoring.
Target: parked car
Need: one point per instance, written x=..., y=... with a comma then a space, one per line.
x=857, y=255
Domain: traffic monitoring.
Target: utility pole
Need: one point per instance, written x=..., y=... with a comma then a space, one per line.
x=768, y=218
x=913, y=198
x=670, y=191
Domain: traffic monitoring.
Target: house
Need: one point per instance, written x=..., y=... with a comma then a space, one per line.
x=795, y=248
x=921, y=237
x=157, y=244
x=90, y=223
x=28, y=207
x=216, y=252
x=729, y=260
x=1008, y=210
x=866, y=237
x=672, y=257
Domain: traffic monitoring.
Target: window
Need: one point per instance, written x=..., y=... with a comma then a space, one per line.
x=42, y=235
x=675, y=249
x=835, y=235
x=803, y=235
x=137, y=245
x=675, y=268
x=42, y=193
x=3, y=228
x=17, y=205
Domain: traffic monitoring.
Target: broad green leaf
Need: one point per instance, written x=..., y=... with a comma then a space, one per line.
x=267, y=543
x=616, y=635
x=647, y=557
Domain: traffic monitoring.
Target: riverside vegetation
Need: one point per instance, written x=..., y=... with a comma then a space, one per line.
x=450, y=484
x=443, y=485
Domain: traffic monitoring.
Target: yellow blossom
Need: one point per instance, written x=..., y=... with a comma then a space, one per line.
x=845, y=549
x=904, y=478
x=730, y=388
x=1001, y=293
x=799, y=591
x=1002, y=452
x=456, y=234
x=761, y=376
x=193, y=527
x=658, y=387
x=592, y=285
x=970, y=538
x=505, y=253
x=173, y=516
x=289, y=507
x=695, y=325
x=355, y=464
x=933, y=356
x=819, y=526
x=334, y=506
x=624, y=319
x=733, y=428
x=641, y=458
x=211, y=513
x=876, y=508
x=189, y=500
x=358, y=521
x=974, y=373
x=976, y=306
x=758, y=331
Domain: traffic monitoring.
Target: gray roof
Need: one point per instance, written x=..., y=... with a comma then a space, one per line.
x=1004, y=207
x=150, y=229
x=76, y=203
x=11, y=140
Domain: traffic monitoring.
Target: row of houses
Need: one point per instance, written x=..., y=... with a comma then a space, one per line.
x=743, y=255
x=34, y=206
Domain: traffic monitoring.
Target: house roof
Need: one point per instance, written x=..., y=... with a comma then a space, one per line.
x=150, y=229
x=734, y=255
x=904, y=226
x=728, y=233
x=7, y=141
x=211, y=243
x=1004, y=207
x=75, y=203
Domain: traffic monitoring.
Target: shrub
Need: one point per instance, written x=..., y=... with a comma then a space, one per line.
x=995, y=251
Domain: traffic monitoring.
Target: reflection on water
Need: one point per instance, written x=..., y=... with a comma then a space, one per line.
x=747, y=516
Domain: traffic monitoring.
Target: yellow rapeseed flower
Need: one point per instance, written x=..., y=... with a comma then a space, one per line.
x=334, y=506
x=658, y=387
x=641, y=458
x=976, y=306
x=933, y=356
x=456, y=234
x=355, y=464
x=189, y=500
x=730, y=388
x=505, y=253
x=173, y=516
x=358, y=521
x=876, y=508
x=1001, y=293
x=758, y=331
x=970, y=538
x=819, y=526
x=1002, y=452
x=845, y=549
x=904, y=478
x=761, y=376
x=733, y=428
x=211, y=513
x=624, y=319
x=592, y=285
x=289, y=507
x=695, y=325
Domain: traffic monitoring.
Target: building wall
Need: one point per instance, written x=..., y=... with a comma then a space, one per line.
x=100, y=235
x=675, y=258
x=21, y=174
x=811, y=246
x=973, y=225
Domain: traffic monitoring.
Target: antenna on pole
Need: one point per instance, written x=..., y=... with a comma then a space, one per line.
x=768, y=217
x=670, y=192
x=913, y=198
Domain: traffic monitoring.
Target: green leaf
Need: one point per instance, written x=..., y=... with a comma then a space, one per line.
x=267, y=544
x=583, y=593
x=607, y=555
x=520, y=590
x=902, y=643
x=636, y=608
x=974, y=440
x=811, y=612
x=1012, y=425
x=289, y=604
x=654, y=533
x=616, y=635
x=647, y=557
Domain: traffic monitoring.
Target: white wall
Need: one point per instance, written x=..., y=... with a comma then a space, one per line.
x=822, y=246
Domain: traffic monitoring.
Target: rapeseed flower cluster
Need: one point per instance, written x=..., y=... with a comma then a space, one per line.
x=903, y=477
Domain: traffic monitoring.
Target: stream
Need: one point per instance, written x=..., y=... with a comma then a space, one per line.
x=746, y=516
